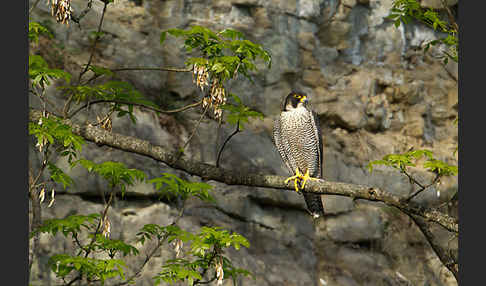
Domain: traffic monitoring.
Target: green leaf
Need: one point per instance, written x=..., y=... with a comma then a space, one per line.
x=239, y=113
x=35, y=30
x=113, y=246
x=102, y=269
x=223, y=53
x=53, y=131
x=40, y=74
x=115, y=173
x=69, y=225
x=100, y=70
x=58, y=176
x=163, y=35
x=441, y=168
x=171, y=185
x=123, y=95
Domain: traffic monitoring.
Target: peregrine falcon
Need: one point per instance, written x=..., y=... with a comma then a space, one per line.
x=297, y=135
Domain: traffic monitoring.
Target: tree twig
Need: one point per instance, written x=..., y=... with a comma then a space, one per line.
x=95, y=76
x=452, y=20
x=36, y=205
x=33, y=6
x=151, y=69
x=89, y=247
x=135, y=104
x=74, y=280
x=160, y=242
x=214, y=253
x=82, y=14
x=226, y=141
x=95, y=41
x=206, y=282
x=44, y=99
x=192, y=133
x=422, y=188
x=210, y=172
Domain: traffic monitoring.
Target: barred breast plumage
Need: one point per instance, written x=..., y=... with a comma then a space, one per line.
x=300, y=142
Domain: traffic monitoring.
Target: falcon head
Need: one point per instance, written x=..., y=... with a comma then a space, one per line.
x=295, y=100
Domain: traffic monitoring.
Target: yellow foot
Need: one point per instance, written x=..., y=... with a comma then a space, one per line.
x=296, y=178
x=307, y=177
x=300, y=178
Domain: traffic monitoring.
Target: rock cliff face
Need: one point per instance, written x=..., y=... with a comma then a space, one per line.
x=374, y=93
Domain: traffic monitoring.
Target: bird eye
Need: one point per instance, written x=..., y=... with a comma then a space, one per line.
x=297, y=96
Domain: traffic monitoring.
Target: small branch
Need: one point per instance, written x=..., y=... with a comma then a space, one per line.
x=412, y=179
x=135, y=104
x=95, y=42
x=226, y=141
x=205, y=282
x=103, y=217
x=193, y=132
x=67, y=105
x=74, y=280
x=422, y=188
x=36, y=222
x=44, y=99
x=214, y=253
x=82, y=14
x=36, y=205
x=89, y=247
x=33, y=6
x=152, y=69
x=160, y=242
x=451, y=16
x=95, y=76
x=450, y=73
x=78, y=243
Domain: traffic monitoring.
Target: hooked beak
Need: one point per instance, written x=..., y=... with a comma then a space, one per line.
x=304, y=99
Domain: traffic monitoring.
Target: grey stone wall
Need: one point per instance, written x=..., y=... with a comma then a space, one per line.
x=374, y=93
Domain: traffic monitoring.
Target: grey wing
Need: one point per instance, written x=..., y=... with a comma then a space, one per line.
x=281, y=144
x=313, y=201
x=317, y=132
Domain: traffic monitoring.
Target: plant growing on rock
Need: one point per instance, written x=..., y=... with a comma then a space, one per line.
x=404, y=11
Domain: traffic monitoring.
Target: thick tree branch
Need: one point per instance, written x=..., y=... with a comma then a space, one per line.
x=210, y=172
x=448, y=260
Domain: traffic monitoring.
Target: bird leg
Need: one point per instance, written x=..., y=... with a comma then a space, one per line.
x=296, y=177
x=305, y=178
x=299, y=177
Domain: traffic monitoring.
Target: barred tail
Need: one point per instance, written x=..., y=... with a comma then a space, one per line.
x=314, y=204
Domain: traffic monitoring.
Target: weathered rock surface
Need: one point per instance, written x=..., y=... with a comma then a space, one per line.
x=374, y=96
